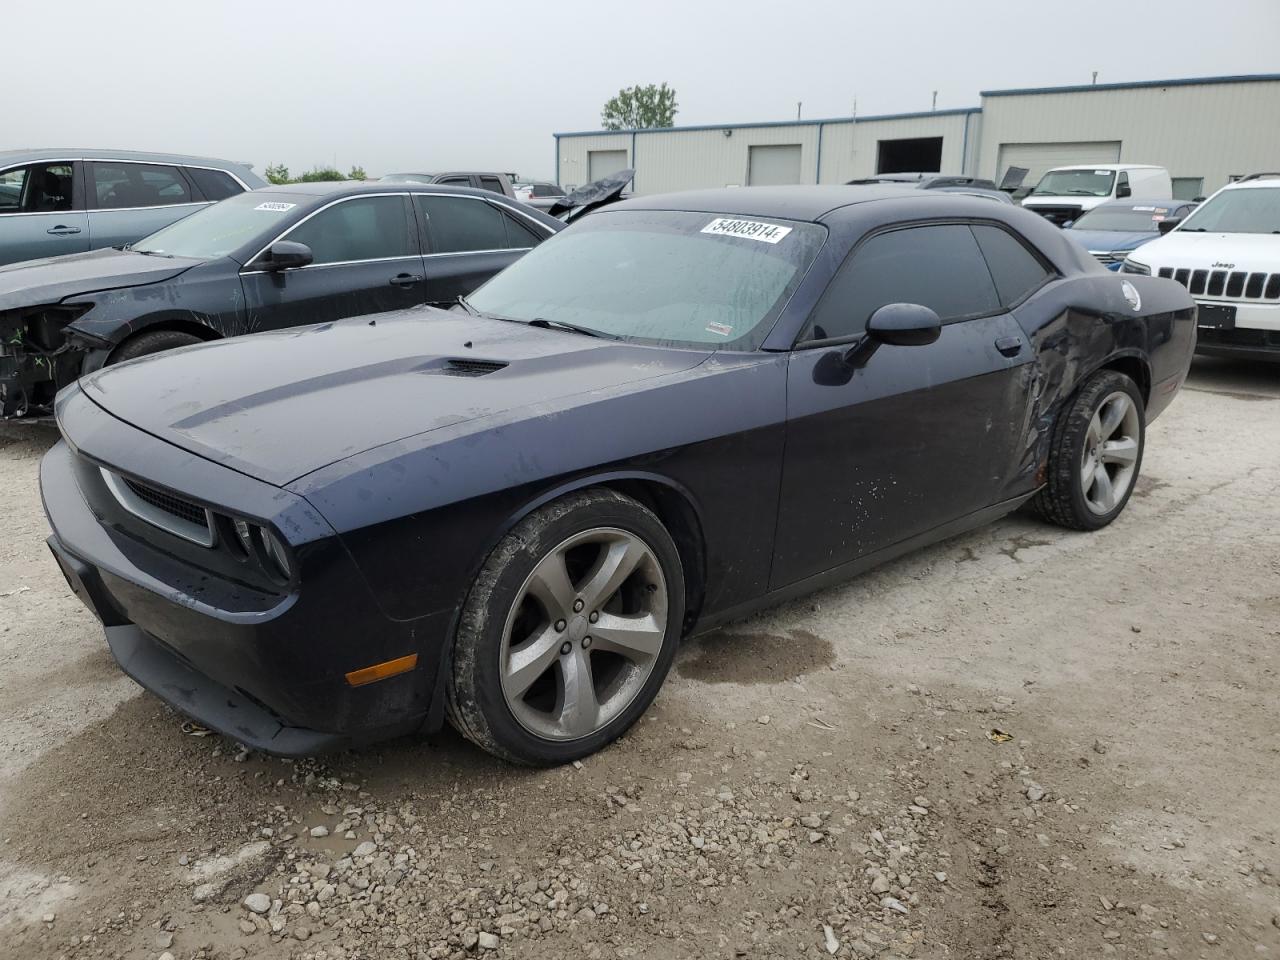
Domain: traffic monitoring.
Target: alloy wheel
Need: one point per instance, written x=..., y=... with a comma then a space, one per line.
x=1107, y=467
x=584, y=634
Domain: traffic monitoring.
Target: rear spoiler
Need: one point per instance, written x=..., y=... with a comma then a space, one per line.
x=592, y=196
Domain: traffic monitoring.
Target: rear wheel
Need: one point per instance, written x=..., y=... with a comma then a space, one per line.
x=569, y=630
x=152, y=341
x=1095, y=454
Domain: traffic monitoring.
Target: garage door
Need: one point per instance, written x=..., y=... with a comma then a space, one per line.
x=1041, y=157
x=601, y=163
x=773, y=164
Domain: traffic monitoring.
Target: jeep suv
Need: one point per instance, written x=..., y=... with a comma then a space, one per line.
x=1227, y=254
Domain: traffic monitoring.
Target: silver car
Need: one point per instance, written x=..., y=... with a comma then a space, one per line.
x=54, y=202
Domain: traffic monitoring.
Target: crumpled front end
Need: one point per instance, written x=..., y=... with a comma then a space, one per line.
x=37, y=358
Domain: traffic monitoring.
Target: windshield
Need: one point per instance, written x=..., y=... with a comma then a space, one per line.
x=226, y=226
x=1075, y=183
x=661, y=277
x=1140, y=218
x=1237, y=211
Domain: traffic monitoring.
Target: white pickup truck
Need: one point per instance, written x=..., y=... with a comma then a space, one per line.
x=1066, y=192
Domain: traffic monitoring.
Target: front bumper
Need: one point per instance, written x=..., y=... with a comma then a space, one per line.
x=1254, y=336
x=266, y=670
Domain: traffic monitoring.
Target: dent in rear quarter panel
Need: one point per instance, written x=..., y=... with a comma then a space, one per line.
x=1083, y=323
x=420, y=515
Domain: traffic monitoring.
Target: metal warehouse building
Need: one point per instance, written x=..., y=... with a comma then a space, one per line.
x=1204, y=131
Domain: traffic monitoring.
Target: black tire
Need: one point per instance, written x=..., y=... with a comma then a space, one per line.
x=1062, y=499
x=476, y=705
x=152, y=341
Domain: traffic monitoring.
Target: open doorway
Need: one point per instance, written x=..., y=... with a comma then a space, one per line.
x=914, y=155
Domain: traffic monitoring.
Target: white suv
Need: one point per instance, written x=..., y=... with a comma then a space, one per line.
x=1227, y=254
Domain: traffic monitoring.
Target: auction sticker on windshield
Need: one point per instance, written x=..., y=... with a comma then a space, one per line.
x=747, y=229
x=275, y=206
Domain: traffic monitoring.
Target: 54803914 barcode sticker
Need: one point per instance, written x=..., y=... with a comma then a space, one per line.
x=275, y=206
x=747, y=229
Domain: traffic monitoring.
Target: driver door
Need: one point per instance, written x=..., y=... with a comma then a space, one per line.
x=42, y=211
x=365, y=260
x=920, y=435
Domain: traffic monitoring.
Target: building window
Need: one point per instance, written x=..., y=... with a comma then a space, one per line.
x=1188, y=188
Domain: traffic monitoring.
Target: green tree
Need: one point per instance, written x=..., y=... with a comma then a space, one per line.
x=357, y=173
x=640, y=107
x=277, y=173
x=320, y=175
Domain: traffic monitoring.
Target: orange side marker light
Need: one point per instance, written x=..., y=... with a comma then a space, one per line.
x=380, y=671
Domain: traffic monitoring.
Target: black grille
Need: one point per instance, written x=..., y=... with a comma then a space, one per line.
x=1238, y=285
x=472, y=368
x=1058, y=215
x=1239, y=337
x=174, y=506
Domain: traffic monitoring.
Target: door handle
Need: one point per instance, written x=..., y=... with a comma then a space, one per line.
x=406, y=279
x=1009, y=346
x=61, y=231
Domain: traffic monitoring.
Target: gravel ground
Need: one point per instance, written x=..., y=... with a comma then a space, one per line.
x=1020, y=743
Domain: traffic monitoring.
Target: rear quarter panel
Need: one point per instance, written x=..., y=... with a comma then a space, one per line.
x=1083, y=323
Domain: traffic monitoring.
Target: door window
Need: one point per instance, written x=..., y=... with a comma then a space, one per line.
x=939, y=267
x=521, y=234
x=367, y=228
x=491, y=183
x=214, y=184
x=39, y=188
x=462, y=224
x=1016, y=271
x=456, y=181
x=119, y=186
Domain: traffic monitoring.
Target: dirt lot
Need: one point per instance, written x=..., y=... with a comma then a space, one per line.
x=822, y=779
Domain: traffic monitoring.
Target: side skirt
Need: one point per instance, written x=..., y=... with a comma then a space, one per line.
x=851, y=569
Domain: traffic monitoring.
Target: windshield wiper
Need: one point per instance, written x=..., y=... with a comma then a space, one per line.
x=561, y=325
x=151, y=253
x=465, y=304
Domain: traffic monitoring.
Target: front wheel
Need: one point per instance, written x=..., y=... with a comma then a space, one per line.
x=149, y=342
x=569, y=630
x=1095, y=454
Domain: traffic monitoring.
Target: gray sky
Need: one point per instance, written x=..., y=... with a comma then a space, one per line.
x=403, y=86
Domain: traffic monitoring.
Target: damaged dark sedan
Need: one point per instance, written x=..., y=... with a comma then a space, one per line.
x=263, y=260
x=676, y=411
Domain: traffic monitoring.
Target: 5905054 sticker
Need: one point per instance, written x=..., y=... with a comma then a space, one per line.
x=747, y=229
x=275, y=206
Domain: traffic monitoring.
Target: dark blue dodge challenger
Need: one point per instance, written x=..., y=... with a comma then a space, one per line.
x=678, y=410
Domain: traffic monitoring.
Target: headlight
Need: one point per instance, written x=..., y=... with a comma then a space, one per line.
x=276, y=551
x=256, y=543
x=1133, y=266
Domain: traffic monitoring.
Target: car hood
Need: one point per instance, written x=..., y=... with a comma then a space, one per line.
x=1214, y=251
x=277, y=406
x=35, y=282
x=1109, y=240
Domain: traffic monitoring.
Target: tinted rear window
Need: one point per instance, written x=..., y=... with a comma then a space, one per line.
x=1014, y=268
x=214, y=184
x=462, y=224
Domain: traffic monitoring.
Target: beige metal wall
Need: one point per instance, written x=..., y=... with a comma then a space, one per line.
x=690, y=159
x=849, y=149
x=1212, y=130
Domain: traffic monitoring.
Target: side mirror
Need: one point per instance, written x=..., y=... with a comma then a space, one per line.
x=904, y=325
x=896, y=324
x=1124, y=190
x=287, y=255
x=1164, y=226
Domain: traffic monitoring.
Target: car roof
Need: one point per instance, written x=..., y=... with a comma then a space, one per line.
x=791, y=203
x=331, y=188
x=446, y=173
x=1131, y=204
x=1109, y=166
x=94, y=153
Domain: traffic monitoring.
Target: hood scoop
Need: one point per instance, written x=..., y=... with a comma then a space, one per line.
x=458, y=367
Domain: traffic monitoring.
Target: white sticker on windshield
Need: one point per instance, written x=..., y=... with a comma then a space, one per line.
x=748, y=229
x=723, y=329
x=1144, y=209
x=275, y=206
x=1101, y=173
